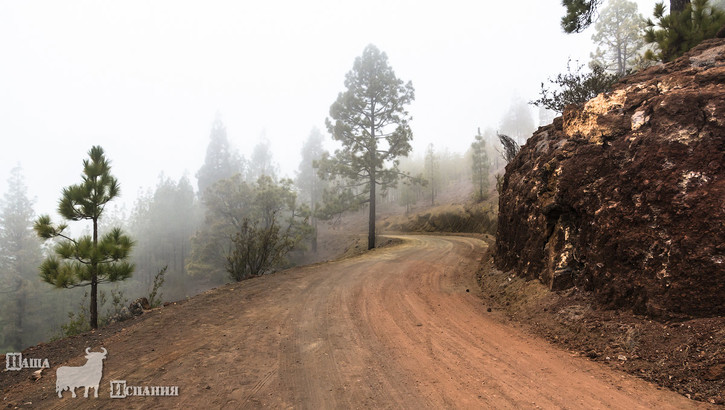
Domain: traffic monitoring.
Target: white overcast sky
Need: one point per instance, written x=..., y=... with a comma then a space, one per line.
x=144, y=79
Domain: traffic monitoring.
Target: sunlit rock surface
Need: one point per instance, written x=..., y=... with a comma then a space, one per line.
x=625, y=196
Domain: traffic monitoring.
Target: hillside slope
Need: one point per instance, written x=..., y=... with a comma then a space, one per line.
x=400, y=327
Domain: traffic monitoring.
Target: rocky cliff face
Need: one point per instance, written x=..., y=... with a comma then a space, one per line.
x=625, y=196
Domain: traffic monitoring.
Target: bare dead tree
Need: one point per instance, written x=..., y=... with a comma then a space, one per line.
x=510, y=147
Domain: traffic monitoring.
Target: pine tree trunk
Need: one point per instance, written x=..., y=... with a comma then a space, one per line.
x=94, y=280
x=432, y=188
x=371, y=220
x=313, y=209
x=20, y=312
x=480, y=188
x=373, y=157
x=678, y=5
x=314, y=234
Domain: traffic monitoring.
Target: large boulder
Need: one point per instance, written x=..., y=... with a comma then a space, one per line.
x=625, y=196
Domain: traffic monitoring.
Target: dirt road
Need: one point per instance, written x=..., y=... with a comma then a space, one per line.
x=395, y=328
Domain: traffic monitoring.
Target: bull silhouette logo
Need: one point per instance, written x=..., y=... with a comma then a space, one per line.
x=88, y=375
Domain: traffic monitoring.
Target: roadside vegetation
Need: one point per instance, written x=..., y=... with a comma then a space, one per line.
x=627, y=42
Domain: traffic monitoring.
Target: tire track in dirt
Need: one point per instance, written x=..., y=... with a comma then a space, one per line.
x=394, y=328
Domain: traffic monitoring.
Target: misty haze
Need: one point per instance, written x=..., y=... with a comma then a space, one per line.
x=383, y=204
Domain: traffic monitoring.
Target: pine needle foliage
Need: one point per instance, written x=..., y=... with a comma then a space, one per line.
x=88, y=260
x=579, y=14
x=371, y=121
x=479, y=167
x=675, y=33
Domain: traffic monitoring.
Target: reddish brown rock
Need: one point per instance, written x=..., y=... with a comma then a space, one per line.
x=625, y=196
x=716, y=372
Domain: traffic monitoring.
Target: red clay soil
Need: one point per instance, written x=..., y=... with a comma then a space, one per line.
x=399, y=327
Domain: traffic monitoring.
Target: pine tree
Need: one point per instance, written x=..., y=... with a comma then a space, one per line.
x=409, y=192
x=221, y=161
x=88, y=260
x=261, y=163
x=479, y=167
x=308, y=181
x=518, y=121
x=19, y=258
x=675, y=33
x=618, y=36
x=581, y=13
x=371, y=122
x=163, y=220
x=432, y=169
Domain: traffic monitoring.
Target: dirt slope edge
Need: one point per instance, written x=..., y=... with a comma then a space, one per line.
x=684, y=356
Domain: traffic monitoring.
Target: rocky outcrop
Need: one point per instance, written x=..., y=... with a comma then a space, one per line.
x=625, y=196
x=138, y=306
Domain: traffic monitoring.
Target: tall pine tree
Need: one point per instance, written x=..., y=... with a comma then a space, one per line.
x=88, y=260
x=19, y=259
x=308, y=181
x=618, y=36
x=581, y=13
x=479, y=167
x=371, y=121
x=221, y=160
x=432, y=171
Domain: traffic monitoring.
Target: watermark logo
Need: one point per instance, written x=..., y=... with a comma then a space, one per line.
x=87, y=376
x=16, y=362
x=120, y=390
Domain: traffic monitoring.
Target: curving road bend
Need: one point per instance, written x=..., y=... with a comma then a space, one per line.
x=394, y=328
